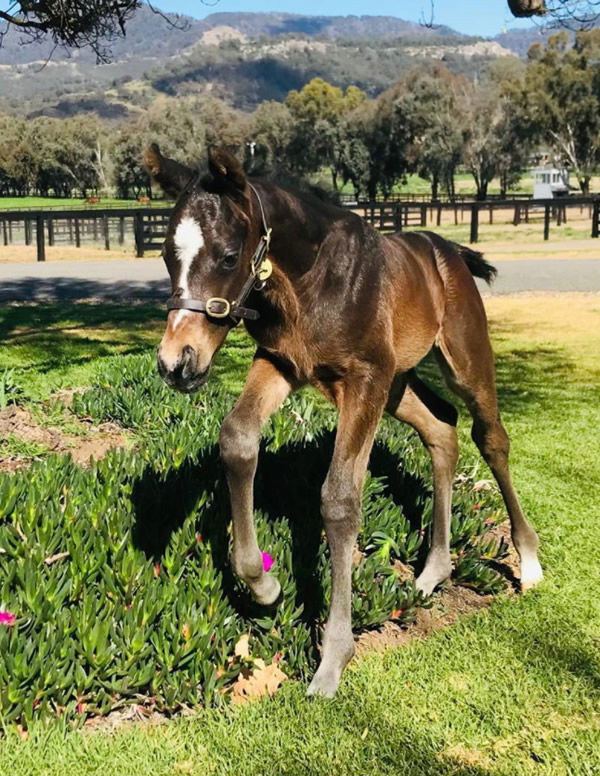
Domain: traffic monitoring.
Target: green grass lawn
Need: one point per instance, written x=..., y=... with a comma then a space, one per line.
x=513, y=690
x=26, y=203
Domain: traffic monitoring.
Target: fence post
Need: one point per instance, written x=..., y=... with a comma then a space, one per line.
x=138, y=228
x=105, y=226
x=439, y=215
x=474, y=222
x=5, y=232
x=121, y=230
x=423, y=215
x=27, y=231
x=77, y=233
x=595, y=218
x=40, y=237
x=547, y=222
x=50, y=231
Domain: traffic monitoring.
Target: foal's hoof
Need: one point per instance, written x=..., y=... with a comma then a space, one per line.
x=323, y=685
x=429, y=579
x=268, y=592
x=531, y=574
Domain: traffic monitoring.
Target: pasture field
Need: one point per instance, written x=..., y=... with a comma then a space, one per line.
x=511, y=690
x=46, y=203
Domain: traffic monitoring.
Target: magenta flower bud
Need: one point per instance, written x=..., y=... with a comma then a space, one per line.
x=267, y=561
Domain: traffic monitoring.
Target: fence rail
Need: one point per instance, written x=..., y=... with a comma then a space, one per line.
x=351, y=199
x=146, y=227
x=396, y=216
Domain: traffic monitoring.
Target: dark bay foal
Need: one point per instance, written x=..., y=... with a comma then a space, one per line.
x=337, y=305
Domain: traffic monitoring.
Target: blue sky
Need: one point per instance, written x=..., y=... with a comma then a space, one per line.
x=475, y=17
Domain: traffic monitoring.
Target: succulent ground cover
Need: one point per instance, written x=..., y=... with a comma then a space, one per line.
x=117, y=574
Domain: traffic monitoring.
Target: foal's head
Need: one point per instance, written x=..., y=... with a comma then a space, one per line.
x=208, y=250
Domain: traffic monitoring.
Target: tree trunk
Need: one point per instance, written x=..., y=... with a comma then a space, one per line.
x=482, y=188
x=584, y=184
x=334, y=178
x=435, y=185
x=503, y=185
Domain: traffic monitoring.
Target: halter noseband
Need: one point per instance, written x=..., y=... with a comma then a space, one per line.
x=260, y=270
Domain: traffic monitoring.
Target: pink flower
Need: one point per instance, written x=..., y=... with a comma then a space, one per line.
x=267, y=561
x=8, y=619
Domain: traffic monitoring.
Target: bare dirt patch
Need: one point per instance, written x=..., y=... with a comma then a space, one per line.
x=451, y=603
x=94, y=441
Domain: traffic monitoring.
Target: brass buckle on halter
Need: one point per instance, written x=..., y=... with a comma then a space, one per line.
x=224, y=313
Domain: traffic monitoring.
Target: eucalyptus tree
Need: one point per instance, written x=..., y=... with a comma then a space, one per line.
x=560, y=100
x=269, y=137
x=437, y=130
x=318, y=111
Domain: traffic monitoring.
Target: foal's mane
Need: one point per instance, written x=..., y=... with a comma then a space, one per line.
x=309, y=193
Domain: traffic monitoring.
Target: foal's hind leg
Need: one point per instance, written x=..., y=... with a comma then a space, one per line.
x=435, y=421
x=467, y=361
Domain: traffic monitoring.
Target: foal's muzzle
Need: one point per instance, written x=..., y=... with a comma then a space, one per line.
x=185, y=375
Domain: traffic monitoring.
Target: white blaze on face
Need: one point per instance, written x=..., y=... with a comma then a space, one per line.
x=189, y=240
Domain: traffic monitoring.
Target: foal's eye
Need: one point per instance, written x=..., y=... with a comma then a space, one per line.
x=229, y=260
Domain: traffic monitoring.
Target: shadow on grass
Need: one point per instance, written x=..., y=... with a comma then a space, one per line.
x=288, y=484
x=525, y=377
x=49, y=336
x=72, y=289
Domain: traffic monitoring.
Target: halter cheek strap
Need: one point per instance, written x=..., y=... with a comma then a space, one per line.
x=260, y=271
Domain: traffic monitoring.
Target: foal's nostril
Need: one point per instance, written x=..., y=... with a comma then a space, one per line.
x=188, y=362
x=160, y=364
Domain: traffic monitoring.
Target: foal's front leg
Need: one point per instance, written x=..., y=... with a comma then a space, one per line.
x=265, y=390
x=360, y=411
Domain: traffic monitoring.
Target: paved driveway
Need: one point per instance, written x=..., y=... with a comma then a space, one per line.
x=146, y=279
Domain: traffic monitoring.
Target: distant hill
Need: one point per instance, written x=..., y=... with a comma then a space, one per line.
x=327, y=27
x=241, y=57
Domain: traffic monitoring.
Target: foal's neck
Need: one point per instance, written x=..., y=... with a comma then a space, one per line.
x=299, y=224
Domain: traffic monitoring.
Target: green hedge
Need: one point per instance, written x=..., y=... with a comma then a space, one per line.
x=145, y=608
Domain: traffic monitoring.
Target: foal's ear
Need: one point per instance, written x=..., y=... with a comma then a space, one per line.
x=171, y=176
x=227, y=171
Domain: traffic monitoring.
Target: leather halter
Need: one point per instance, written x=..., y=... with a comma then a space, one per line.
x=260, y=270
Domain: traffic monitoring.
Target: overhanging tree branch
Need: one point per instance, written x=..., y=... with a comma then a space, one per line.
x=74, y=23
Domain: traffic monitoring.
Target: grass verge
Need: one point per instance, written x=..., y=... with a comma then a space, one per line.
x=515, y=690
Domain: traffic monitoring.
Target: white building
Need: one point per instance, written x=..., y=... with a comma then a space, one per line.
x=549, y=182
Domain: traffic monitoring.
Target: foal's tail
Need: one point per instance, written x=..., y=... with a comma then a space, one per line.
x=477, y=265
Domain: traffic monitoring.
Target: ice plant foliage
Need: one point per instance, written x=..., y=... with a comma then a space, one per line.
x=131, y=613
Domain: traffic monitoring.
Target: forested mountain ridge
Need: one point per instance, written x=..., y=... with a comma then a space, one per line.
x=243, y=58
